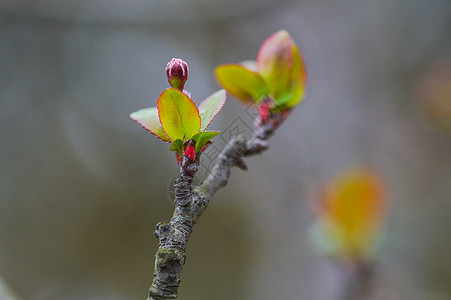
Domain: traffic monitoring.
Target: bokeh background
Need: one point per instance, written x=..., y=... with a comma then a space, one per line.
x=82, y=186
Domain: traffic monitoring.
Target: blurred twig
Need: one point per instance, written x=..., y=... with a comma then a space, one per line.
x=359, y=284
x=6, y=293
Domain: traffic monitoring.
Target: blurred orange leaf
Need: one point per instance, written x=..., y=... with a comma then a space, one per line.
x=352, y=211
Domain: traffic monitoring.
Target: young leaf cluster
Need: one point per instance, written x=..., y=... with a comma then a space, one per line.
x=277, y=78
x=177, y=120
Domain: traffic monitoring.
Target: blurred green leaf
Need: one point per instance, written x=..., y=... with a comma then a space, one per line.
x=295, y=92
x=210, y=107
x=242, y=83
x=274, y=62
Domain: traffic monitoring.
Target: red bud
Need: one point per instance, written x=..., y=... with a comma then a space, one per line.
x=264, y=112
x=189, y=152
x=177, y=72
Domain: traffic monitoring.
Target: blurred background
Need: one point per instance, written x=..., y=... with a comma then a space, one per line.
x=82, y=186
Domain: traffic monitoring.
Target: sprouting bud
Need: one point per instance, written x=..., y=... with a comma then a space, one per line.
x=189, y=152
x=264, y=112
x=177, y=72
x=271, y=114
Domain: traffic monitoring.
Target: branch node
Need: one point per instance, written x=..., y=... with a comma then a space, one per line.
x=162, y=229
x=241, y=164
x=256, y=146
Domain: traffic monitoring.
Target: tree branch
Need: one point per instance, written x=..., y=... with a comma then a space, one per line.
x=190, y=203
x=359, y=283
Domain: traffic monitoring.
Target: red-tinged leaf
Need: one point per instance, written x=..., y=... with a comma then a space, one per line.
x=210, y=107
x=297, y=82
x=178, y=114
x=177, y=146
x=204, y=137
x=148, y=118
x=206, y=146
x=242, y=83
x=274, y=61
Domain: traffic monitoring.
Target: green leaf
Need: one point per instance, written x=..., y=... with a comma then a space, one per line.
x=210, y=107
x=177, y=146
x=178, y=114
x=242, y=83
x=148, y=118
x=203, y=137
x=274, y=61
x=297, y=82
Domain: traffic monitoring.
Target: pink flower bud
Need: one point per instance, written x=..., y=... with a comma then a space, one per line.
x=177, y=72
